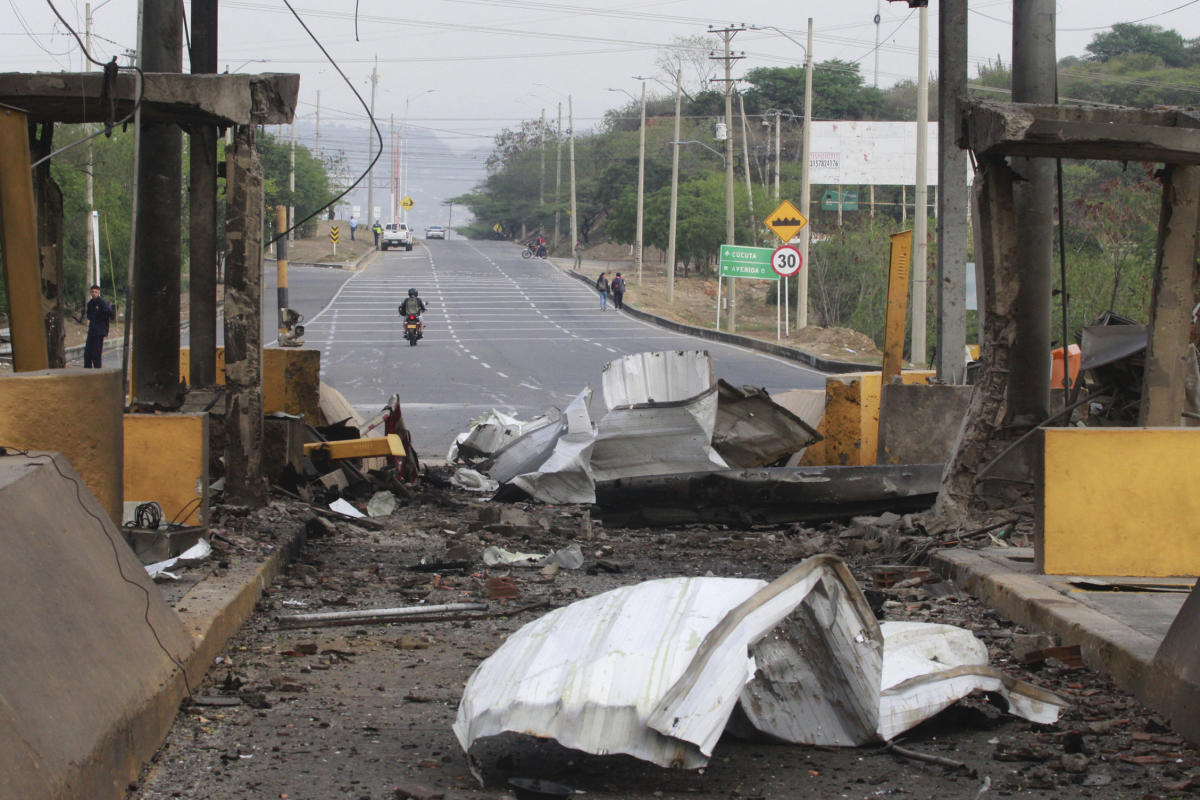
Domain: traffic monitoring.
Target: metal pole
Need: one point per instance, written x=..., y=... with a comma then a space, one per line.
x=952, y=201
x=805, y=188
x=1033, y=82
x=787, y=294
x=291, y=209
x=542, y=170
x=281, y=273
x=920, y=262
x=93, y=266
x=729, y=221
x=674, y=192
x=641, y=197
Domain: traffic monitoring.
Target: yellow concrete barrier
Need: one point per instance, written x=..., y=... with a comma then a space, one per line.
x=167, y=462
x=851, y=422
x=291, y=380
x=1120, y=501
x=76, y=412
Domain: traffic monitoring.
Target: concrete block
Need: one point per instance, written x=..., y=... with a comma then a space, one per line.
x=1119, y=501
x=291, y=380
x=87, y=691
x=283, y=446
x=1175, y=688
x=851, y=421
x=167, y=462
x=919, y=423
x=76, y=412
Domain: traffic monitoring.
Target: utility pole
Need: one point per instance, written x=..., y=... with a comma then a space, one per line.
x=158, y=226
x=542, y=169
x=371, y=144
x=778, y=121
x=571, y=157
x=674, y=189
x=1034, y=81
x=202, y=222
x=727, y=35
x=317, y=144
x=746, y=168
x=952, y=200
x=920, y=260
x=805, y=187
x=291, y=209
x=92, y=270
x=641, y=185
x=395, y=183
x=558, y=176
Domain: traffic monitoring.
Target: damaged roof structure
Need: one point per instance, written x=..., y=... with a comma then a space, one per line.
x=802, y=658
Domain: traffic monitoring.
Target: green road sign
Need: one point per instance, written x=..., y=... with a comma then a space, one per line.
x=747, y=262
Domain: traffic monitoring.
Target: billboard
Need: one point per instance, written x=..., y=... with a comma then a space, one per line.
x=868, y=153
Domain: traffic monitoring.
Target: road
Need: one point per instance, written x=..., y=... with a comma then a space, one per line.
x=501, y=332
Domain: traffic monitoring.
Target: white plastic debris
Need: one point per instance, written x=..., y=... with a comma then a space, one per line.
x=473, y=480
x=381, y=504
x=343, y=507
x=196, y=554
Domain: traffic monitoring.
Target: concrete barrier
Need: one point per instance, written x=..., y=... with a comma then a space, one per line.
x=1119, y=501
x=291, y=380
x=89, y=687
x=919, y=423
x=851, y=421
x=167, y=462
x=76, y=412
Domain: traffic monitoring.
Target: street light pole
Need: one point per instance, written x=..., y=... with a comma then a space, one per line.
x=371, y=143
x=805, y=187
x=571, y=158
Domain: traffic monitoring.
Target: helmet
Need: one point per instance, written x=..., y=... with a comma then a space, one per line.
x=412, y=292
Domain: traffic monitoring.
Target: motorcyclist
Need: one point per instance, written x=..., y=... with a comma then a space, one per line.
x=413, y=305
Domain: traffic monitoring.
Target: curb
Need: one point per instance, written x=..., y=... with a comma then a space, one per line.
x=1107, y=646
x=817, y=362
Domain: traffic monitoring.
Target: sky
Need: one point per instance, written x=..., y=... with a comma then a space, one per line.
x=461, y=70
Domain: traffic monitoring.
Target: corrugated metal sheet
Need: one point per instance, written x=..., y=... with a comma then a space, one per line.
x=655, y=670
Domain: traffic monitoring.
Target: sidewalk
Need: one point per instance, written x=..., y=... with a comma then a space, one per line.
x=1119, y=623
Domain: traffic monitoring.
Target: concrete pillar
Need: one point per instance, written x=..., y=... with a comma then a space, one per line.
x=202, y=200
x=1034, y=81
x=244, y=481
x=952, y=200
x=157, y=262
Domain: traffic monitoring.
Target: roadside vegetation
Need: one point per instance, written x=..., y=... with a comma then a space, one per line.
x=1111, y=210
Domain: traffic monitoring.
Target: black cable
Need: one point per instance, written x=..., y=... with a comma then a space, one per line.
x=187, y=34
x=44, y=459
x=374, y=124
x=108, y=67
x=182, y=513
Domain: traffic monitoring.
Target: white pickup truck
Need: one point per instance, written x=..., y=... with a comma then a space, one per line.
x=396, y=234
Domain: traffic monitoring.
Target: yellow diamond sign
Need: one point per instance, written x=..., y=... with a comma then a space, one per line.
x=786, y=221
x=406, y=203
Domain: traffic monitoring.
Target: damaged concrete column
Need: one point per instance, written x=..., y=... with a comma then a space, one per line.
x=998, y=250
x=49, y=199
x=159, y=207
x=244, y=481
x=1163, y=387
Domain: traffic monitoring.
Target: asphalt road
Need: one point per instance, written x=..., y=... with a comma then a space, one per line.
x=501, y=332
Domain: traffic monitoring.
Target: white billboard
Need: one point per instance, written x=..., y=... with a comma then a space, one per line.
x=865, y=153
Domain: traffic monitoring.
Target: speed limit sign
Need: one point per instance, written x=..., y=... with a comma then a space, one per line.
x=786, y=261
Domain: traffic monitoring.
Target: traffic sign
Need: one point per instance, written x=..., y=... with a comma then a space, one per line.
x=333, y=234
x=406, y=203
x=497, y=228
x=786, y=221
x=786, y=261
x=747, y=262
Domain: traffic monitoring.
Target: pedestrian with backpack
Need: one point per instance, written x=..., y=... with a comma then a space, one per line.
x=618, y=290
x=602, y=288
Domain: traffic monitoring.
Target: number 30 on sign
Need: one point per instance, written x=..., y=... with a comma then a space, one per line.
x=786, y=261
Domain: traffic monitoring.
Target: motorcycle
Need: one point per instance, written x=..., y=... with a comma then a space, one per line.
x=531, y=251
x=412, y=329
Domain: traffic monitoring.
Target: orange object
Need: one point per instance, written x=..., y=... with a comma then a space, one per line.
x=1075, y=355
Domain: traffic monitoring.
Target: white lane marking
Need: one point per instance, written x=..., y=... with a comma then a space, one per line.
x=501, y=374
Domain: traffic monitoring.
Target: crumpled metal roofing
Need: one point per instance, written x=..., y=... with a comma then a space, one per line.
x=655, y=670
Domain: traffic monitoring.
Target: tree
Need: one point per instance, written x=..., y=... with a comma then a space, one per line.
x=838, y=91
x=312, y=182
x=1127, y=38
x=687, y=57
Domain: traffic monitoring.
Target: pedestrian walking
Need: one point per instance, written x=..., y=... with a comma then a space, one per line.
x=578, y=255
x=618, y=290
x=377, y=229
x=99, y=313
x=602, y=288
x=353, y=227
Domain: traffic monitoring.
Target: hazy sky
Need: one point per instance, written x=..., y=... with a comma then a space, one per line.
x=466, y=68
